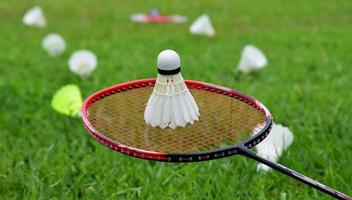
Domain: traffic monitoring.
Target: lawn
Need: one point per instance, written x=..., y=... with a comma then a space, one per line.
x=307, y=87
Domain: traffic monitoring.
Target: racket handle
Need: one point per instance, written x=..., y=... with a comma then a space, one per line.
x=289, y=172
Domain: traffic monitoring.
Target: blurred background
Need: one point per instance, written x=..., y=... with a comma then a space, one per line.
x=306, y=85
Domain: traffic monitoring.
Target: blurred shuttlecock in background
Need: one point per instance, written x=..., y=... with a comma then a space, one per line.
x=171, y=103
x=54, y=44
x=252, y=59
x=271, y=148
x=202, y=26
x=67, y=100
x=82, y=62
x=35, y=17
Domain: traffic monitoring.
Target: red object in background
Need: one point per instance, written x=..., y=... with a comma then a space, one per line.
x=143, y=18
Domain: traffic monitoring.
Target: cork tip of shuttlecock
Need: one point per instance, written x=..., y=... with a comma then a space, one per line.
x=168, y=60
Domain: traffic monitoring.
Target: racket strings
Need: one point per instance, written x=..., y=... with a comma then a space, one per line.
x=224, y=121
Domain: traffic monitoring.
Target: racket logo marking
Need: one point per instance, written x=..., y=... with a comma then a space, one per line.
x=206, y=157
x=231, y=152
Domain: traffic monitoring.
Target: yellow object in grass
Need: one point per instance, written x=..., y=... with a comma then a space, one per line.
x=67, y=100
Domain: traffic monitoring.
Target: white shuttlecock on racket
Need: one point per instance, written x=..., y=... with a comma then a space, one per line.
x=171, y=103
x=272, y=147
x=35, y=17
x=252, y=59
x=202, y=26
x=54, y=44
x=82, y=62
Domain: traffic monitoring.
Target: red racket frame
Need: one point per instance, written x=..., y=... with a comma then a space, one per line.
x=241, y=148
x=159, y=156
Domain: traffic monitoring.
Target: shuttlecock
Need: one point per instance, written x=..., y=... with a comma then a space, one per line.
x=67, y=100
x=271, y=148
x=252, y=59
x=35, y=17
x=82, y=62
x=202, y=26
x=54, y=44
x=171, y=103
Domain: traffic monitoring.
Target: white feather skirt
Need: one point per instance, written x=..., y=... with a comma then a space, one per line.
x=271, y=148
x=171, y=103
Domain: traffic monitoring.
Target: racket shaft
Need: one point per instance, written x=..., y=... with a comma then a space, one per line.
x=304, y=179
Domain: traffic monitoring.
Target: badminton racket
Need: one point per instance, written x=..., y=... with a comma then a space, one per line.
x=230, y=123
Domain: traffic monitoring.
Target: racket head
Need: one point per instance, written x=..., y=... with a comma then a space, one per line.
x=228, y=119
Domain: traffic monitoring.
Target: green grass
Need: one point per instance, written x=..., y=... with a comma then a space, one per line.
x=307, y=87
